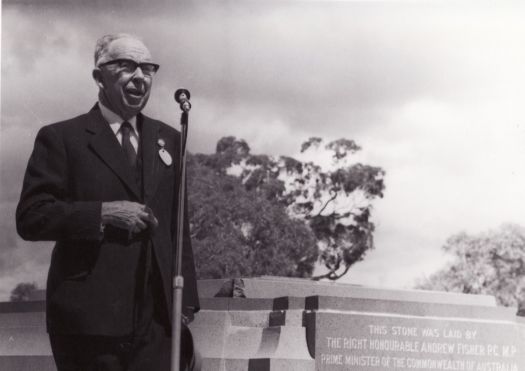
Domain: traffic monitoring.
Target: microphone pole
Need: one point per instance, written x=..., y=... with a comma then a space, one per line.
x=182, y=96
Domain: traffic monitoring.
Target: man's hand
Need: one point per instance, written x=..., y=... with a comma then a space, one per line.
x=131, y=216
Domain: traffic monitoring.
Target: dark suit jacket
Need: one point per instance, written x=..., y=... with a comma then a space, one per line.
x=75, y=166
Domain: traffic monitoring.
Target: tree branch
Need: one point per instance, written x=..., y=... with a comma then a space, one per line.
x=332, y=276
x=327, y=202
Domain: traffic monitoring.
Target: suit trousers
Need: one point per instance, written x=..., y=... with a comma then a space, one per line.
x=102, y=353
x=147, y=349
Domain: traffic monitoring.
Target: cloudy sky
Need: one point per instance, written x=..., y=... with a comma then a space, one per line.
x=432, y=90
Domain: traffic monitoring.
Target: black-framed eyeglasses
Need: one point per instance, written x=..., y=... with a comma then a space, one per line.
x=130, y=66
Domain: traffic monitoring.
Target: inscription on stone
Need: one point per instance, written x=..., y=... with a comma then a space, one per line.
x=364, y=342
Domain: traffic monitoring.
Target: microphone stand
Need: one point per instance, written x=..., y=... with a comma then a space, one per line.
x=182, y=97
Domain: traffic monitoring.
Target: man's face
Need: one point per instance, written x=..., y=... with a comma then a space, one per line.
x=125, y=88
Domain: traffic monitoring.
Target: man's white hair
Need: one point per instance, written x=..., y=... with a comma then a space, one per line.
x=102, y=46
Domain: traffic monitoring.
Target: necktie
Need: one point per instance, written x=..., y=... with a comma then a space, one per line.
x=131, y=155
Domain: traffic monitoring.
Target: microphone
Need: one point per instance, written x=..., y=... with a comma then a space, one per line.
x=182, y=96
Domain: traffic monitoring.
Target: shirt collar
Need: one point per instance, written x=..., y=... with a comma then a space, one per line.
x=114, y=120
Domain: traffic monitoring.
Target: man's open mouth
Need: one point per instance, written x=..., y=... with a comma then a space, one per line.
x=136, y=93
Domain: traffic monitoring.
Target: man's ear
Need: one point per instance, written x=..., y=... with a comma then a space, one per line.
x=97, y=76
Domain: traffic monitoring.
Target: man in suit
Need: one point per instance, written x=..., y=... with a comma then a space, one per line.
x=98, y=185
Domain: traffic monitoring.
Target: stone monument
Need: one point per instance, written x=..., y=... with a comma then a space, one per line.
x=291, y=324
x=285, y=324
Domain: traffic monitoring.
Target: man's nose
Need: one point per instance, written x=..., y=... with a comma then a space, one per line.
x=138, y=74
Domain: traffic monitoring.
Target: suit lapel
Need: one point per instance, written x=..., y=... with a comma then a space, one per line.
x=150, y=166
x=107, y=147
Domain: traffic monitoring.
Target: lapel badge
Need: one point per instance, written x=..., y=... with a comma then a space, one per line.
x=163, y=154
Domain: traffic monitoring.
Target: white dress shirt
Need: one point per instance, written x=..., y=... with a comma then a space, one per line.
x=115, y=122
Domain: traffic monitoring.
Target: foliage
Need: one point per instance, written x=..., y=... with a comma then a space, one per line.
x=334, y=206
x=237, y=233
x=23, y=291
x=490, y=263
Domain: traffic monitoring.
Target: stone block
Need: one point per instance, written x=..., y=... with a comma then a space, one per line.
x=274, y=287
x=27, y=363
x=216, y=364
x=409, y=308
x=251, y=340
x=364, y=334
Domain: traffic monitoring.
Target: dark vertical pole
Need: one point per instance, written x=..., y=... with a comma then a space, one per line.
x=178, y=279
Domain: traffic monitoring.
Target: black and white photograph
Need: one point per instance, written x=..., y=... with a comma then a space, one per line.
x=283, y=185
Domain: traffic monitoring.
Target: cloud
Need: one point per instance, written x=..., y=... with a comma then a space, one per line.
x=317, y=66
x=449, y=169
